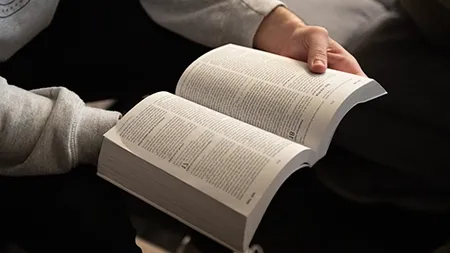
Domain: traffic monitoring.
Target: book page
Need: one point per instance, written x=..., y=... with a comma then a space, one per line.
x=225, y=158
x=271, y=92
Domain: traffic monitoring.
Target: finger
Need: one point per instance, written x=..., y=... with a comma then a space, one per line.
x=345, y=63
x=341, y=59
x=317, y=43
x=335, y=47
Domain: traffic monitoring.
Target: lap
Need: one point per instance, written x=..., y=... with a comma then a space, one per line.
x=74, y=212
x=395, y=129
x=413, y=71
x=305, y=216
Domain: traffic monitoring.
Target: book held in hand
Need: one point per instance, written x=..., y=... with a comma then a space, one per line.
x=241, y=121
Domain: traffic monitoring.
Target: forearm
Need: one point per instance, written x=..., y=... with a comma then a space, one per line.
x=48, y=131
x=212, y=22
x=276, y=27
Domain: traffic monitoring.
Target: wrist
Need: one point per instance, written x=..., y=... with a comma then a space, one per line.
x=278, y=26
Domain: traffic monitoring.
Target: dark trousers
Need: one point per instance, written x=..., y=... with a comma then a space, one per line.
x=99, y=49
x=404, y=135
x=305, y=216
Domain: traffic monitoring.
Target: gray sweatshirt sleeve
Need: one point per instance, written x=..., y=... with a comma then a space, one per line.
x=48, y=131
x=211, y=22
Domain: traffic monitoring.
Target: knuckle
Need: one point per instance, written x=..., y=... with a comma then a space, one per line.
x=319, y=52
x=319, y=30
x=340, y=59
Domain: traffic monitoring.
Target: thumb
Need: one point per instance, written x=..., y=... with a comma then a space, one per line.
x=317, y=41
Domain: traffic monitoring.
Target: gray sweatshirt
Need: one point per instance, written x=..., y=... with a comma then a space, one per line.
x=50, y=131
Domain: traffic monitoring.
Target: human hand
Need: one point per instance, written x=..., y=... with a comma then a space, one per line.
x=283, y=33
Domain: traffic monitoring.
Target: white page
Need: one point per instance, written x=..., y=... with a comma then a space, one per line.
x=225, y=158
x=274, y=93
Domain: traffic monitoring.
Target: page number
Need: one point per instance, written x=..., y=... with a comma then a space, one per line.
x=292, y=135
x=185, y=166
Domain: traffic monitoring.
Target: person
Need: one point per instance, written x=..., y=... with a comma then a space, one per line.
x=384, y=185
x=49, y=138
x=393, y=151
x=406, y=133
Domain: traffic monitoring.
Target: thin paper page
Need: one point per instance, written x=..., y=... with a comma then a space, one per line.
x=221, y=156
x=271, y=92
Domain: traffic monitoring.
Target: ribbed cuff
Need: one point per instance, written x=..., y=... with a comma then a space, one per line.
x=92, y=125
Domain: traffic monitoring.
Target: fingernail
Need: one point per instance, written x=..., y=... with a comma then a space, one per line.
x=319, y=62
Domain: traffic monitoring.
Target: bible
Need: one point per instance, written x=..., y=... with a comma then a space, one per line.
x=214, y=154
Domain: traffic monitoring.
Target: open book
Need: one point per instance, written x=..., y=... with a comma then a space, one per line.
x=242, y=120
